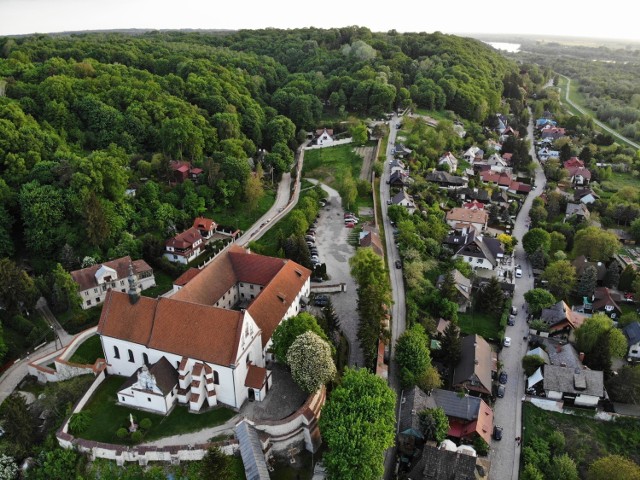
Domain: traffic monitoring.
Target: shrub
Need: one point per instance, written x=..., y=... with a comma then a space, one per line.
x=145, y=424
x=482, y=447
x=122, y=432
x=137, y=436
x=79, y=422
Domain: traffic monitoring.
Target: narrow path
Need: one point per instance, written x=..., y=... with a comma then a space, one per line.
x=595, y=120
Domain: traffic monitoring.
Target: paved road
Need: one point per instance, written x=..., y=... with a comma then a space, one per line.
x=595, y=120
x=505, y=455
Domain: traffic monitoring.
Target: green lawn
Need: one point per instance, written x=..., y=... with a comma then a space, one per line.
x=436, y=114
x=107, y=417
x=75, y=321
x=620, y=180
x=586, y=439
x=89, y=351
x=239, y=217
x=481, y=323
x=329, y=165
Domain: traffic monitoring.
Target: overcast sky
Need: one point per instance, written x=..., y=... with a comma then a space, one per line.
x=611, y=19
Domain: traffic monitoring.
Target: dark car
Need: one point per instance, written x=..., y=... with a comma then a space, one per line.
x=497, y=432
x=398, y=264
x=321, y=300
x=511, y=321
x=317, y=279
x=501, y=390
x=503, y=377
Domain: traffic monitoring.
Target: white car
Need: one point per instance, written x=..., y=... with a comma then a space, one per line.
x=518, y=272
x=507, y=341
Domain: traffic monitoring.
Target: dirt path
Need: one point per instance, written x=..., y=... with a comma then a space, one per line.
x=367, y=154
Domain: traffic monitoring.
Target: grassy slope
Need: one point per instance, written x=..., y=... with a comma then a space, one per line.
x=89, y=351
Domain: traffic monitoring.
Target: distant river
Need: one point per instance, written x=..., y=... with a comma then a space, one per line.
x=508, y=47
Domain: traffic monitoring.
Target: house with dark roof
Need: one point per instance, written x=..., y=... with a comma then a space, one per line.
x=580, y=386
x=632, y=332
x=215, y=331
x=481, y=252
x=459, y=236
x=152, y=387
x=94, y=281
x=410, y=435
x=184, y=247
x=446, y=180
x=399, y=179
x=561, y=319
x=443, y=464
x=500, y=198
x=578, y=210
x=606, y=301
x=581, y=263
x=479, y=194
x=403, y=199
x=585, y=195
x=476, y=368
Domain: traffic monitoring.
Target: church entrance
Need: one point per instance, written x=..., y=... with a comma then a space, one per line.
x=252, y=395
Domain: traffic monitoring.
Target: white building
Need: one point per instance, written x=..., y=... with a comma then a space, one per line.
x=185, y=246
x=324, y=137
x=449, y=160
x=215, y=331
x=93, y=282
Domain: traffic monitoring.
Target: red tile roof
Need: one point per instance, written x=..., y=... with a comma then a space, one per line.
x=85, y=277
x=474, y=205
x=120, y=319
x=202, y=223
x=256, y=377
x=466, y=215
x=185, y=239
x=573, y=171
x=573, y=162
x=186, y=277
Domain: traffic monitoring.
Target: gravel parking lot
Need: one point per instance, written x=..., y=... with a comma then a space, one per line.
x=333, y=249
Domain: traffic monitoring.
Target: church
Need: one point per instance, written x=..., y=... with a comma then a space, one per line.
x=208, y=343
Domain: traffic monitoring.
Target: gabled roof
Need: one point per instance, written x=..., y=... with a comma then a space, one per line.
x=398, y=177
x=86, y=277
x=462, y=283
x=465, y=215
x=499, y=196
x=400, y=197
x=473, y=205
x=186, y=277
x=202, y=223
x=579, y=209
x=165, y=374
x=437, y=176
x=483, y=247
x=603, y=297
x=581, y=263
x=475, y=364
x=185, y=239
x=559, y=313
x=573, y=380
x=579, y=171
x=255, y=466
x=442, y=464
x=632, y=332
x=415, y=400
x=256, y=377
x=540, y=353
x=320, y=131
x=573, y=162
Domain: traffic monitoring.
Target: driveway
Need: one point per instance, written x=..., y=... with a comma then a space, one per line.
x=505, y=454
x=335, y=251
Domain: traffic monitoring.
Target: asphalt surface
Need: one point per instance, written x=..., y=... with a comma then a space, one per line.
x=505, y=454
x=335, y=251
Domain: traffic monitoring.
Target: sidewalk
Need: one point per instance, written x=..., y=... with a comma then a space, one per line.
x=201, y=436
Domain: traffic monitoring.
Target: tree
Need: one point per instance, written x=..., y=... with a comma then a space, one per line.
x=310, y=360
x=8, y=468
x=59, y=463
x=17, y=289
x=531, y=363
x=64, y=290
x=348, y=190
x=558, y=242
x=253, y=190
x=359, y=133
x=588, y=281
x=625, y=387
x=538, y=259
x=330, y=320
x=561, y=276
x=596, y=244
x=434, y=424
x=491, y=298
x=79, y=422
x=451, y=345
x=289, y=329
x=412, y=354
x=634, y=230
x=531, y=472
x=613, y=467
x=358, y=425
x=563, y=466
x=216, y=464
x=19, y=425
x=536, y=238
x=612, y=278
x=508, y=242
x=591, y=333
x=627, y=278
x=537, y=299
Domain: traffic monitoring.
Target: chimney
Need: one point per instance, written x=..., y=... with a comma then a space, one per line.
x=134, y=296
x=581, y=357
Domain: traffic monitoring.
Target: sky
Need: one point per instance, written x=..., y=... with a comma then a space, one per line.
x=567, y=18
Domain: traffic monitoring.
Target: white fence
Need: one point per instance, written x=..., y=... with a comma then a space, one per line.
x=335, y=143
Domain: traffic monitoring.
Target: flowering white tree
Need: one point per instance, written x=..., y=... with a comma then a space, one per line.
x=8, y=468
x=310, y=360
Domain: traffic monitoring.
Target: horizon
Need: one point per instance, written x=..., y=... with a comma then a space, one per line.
x=67, y=16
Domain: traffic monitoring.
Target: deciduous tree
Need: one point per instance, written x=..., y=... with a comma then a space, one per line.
x=289, y=329
x=412, y=354
x=561, y=276
x=614, y=467
x=434, y=424
x=537, y=299
x=311, y=363
x=536, y=238
x=596, y=244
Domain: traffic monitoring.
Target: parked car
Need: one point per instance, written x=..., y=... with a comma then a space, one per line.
x=518, y=271
x=514, y=310
x=503, y=377
x=507, y=341
x=317, y=279
x=315, y=258
x=349, y=225
x=511, y=321
x=501, y=389
x=398, y=264
x=321, y=300
x=497, y=432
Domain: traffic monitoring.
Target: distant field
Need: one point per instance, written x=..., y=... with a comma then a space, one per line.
x=620, y=180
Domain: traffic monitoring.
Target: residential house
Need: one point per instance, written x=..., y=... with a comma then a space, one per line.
x=324, y=137
x=184, y=247
x=402, y=152
x=509, y=132
x=493, y=145
x=538, y=351
x=503, y=180
x=463, y=286
x=369, y=238
x=473, y=153
x=500, y=198
x=397, y=165
x=469, y=416
x=581, y=263
x=478, y=363
x=498, y=164
x=443, y=464
x=579, y=175
x=552, y=133
x=573, y=162
x=449, y=160
x=399, y=179
x=632, y=332
x=481, y=252
x=585, y=195
x=410, y=435
x=578, y=210
x=519, y=188
x=184, y=171
x=477, y=218
x=94, y=281
x=543, y=122
x=473, y=205
x=502, y=123
x=606, y=301
x=545, y=153
x=215, y=332
x=479, y=194
x=446, y=180
x=403, y=199
x=461, y=235
x=582, y=387
x=561, y=319
x=205, y=226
